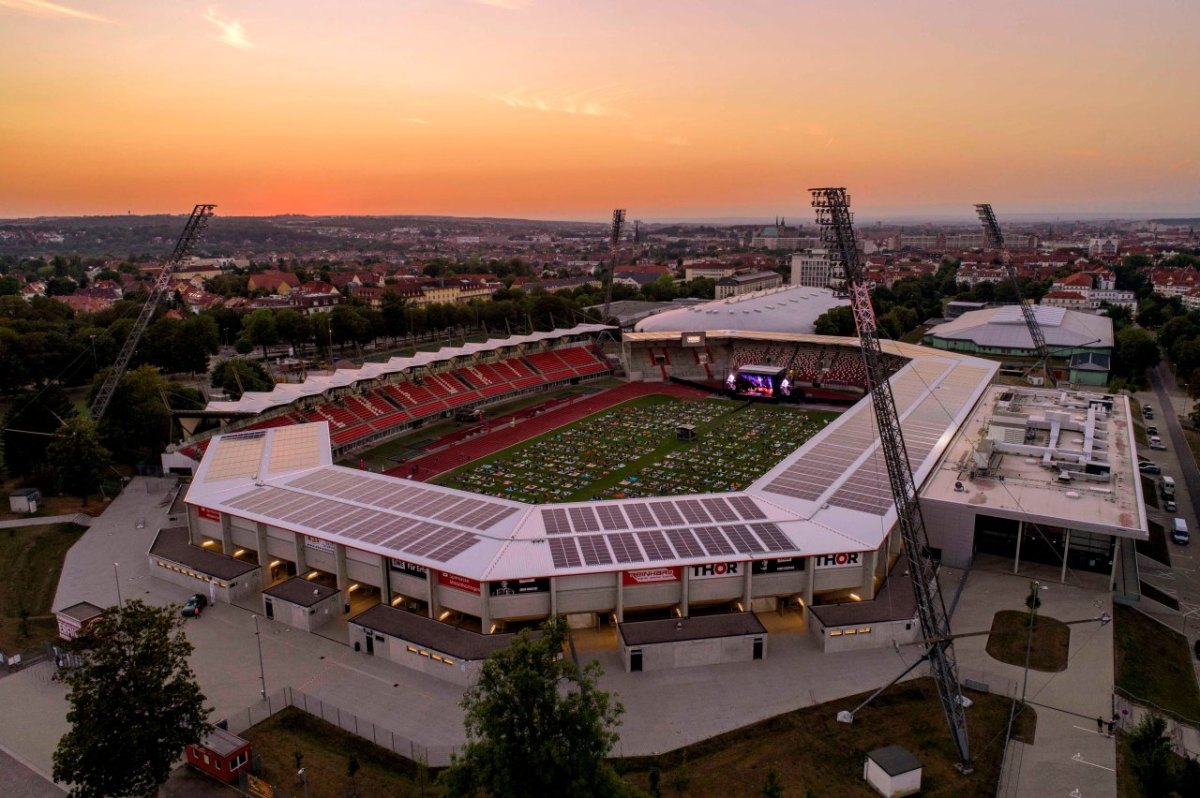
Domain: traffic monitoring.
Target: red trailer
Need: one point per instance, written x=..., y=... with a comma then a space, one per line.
x=220, y=754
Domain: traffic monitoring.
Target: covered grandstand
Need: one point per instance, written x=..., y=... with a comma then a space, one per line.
x=791, y=309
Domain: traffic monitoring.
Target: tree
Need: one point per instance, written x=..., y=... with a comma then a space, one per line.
x=77, y=457
x=773, y=786
x=293, y=327
x=137, y=423
x=836, y=321
x=1152, y=755
x=1135, y=352
x=28, y=426
x=259, y=329
x=536, y=724
x=235, y=376
x=134, y=703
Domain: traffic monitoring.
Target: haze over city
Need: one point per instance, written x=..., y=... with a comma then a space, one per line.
x=562, y=110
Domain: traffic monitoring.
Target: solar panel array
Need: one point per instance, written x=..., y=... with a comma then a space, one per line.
x=655, y=514
x=398, y=496
x=362, y=525
x=659, y=545
x=867, y=488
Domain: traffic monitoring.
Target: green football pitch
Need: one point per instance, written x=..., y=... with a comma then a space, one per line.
x=631, y=450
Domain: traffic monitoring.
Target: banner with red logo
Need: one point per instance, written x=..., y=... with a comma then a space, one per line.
x=208, y=514
x=457, y=582
x=650, y=576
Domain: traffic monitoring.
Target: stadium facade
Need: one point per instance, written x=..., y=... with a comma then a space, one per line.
x=1000, y=468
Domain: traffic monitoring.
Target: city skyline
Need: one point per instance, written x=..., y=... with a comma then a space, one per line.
x=532, y=109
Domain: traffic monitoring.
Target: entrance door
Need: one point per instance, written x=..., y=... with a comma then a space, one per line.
x=371, y=645
x=758, y=648
x=270, y=608
x=635, y=660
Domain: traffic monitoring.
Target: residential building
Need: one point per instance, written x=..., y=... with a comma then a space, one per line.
x=737, y=284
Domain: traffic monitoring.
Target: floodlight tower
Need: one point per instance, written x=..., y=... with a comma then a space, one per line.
x=995, y=238
x=192, y=231
x=837, y=231
x=618, y=222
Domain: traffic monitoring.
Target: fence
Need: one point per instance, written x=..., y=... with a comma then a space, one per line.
x=431, y=755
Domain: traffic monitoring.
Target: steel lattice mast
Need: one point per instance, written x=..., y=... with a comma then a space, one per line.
x=995, y=239
x=187, y=240
x=618, y=222
x=837, y=231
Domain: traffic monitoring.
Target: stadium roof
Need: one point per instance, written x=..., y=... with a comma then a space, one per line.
x=828, y=497
x=1004, y=327
x=792, y=309
x=286, y=393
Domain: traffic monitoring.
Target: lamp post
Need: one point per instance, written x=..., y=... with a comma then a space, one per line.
x=117, y=580
x=262, y=673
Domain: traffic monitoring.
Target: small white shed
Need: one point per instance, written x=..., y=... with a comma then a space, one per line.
x=893, y=771
x=26, y=500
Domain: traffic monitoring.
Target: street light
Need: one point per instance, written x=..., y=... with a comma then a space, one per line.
x=262, y=673
x=117, y=579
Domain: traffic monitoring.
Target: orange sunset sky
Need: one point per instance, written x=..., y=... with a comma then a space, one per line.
x=567, y=108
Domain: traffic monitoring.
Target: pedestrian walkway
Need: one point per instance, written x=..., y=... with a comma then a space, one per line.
x=83, y=519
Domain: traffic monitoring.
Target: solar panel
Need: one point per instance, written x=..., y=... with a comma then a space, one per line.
x=655, y=544
x=745, y=507
x=719, y=509
x=488, y=516
x=389, y=530
x=743, y=539
x=639, y=515
x=441, y=536
x=692, y=511
x=583, y=519
x=773, y=537
x=564, y=553
x=595, y=552
x=624, y=547
x=712, y=539
x=455, y=547
x=611, y=516
x=685, y=542
x=414, y=535
x=666, y=513
x=555, y=521
x=459, y=510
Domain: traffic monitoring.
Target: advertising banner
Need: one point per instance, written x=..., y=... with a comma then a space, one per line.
x=512, y=587
x=463, y=583
x=650, y=576
x=411, y=569
x=850, y=559
x=780, y=566
x=318, y=544
x=716, y=570
x=208, y=514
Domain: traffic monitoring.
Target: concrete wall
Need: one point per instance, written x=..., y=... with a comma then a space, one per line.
x=717, y=589
x=452, y=599
x=785, y=584
x=689, y=653
x=586, y=593
x=244, y=586
x=951, y=528
x=656, y=595
x=880, y=635
x=305, y=618
x=426, y=660
x=838, y=578
x=527, y=605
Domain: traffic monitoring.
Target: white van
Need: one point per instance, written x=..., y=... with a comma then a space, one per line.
x=1180, y=533
x=1168, y=487
x=1157, y=442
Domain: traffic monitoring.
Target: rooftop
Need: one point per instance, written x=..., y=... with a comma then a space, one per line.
x=439, y=636
x=1065, y=458
x=300, y=591
x=791, y=309
x=700, y=627
x=172, y=544
x=1004, y=327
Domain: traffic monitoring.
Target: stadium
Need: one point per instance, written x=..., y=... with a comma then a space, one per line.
x=671, y=491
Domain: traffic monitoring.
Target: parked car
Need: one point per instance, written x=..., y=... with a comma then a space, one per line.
x=1157, y=442
x=194, y=605
x=1149, y=468
x=1169, y=505
x=1179, y=533
x=1151, y=430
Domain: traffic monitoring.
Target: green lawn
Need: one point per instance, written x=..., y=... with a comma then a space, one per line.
x=31, y=559
x=632, y=450
x=1154, y=664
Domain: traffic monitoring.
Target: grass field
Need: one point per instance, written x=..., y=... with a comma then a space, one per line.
x=810, y=749
x=31, y=559
x=1154, y=664
x=1048, y=651
x=631, y=450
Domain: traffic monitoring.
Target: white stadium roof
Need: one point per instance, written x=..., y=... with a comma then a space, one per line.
x=1004, y=327
x=793, y=309
x=828, y=497
x=286, y=393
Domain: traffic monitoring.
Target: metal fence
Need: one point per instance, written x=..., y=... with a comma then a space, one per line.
x=430, y=755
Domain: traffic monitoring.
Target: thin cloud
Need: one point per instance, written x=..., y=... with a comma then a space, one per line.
x=47, y=9
x=507, y=5
x=416, y=120
x=1175, y=167
x=595, y=101
x=231, y=31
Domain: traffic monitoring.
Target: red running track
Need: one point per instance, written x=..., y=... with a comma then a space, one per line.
x=512, y=429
